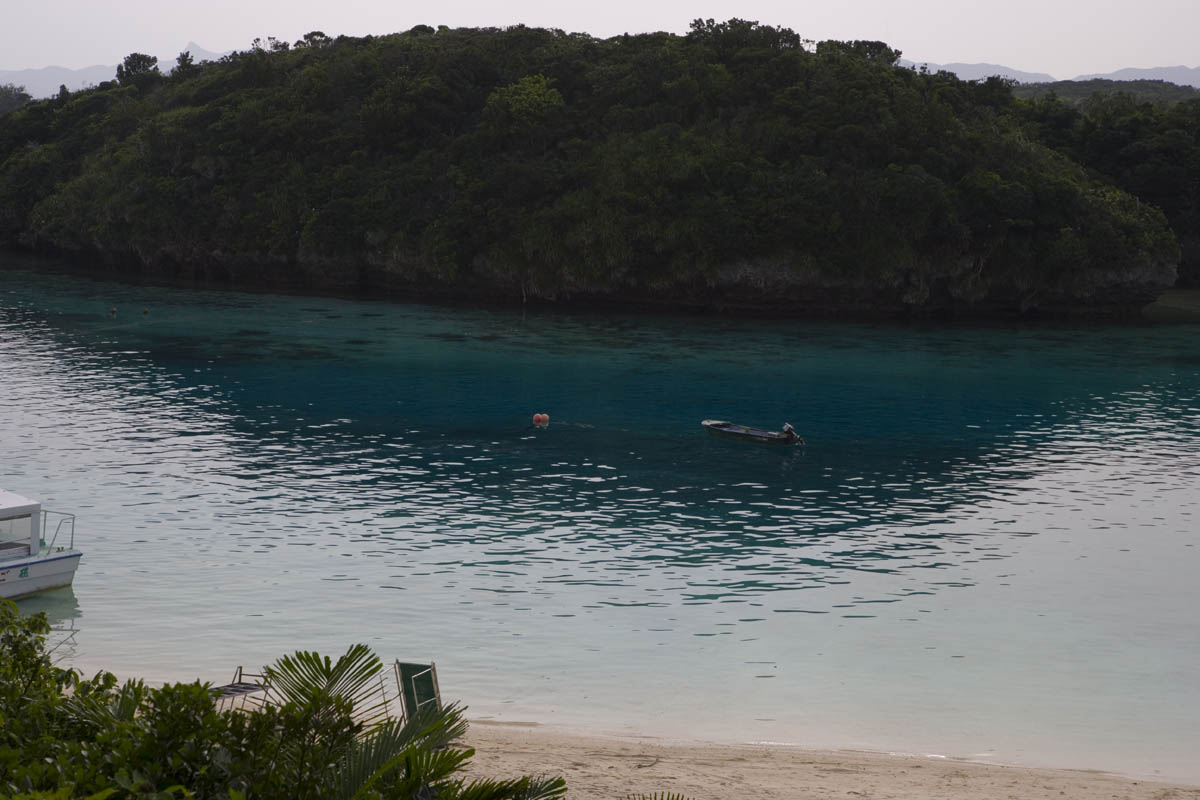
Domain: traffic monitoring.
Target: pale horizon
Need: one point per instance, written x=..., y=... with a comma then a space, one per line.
x=1052, y=36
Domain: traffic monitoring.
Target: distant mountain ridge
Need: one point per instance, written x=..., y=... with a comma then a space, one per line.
x=1183, y=76
x=45, y=81
x=975, y=72
x=40, y=83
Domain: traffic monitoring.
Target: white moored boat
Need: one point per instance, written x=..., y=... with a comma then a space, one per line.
x=28, y=563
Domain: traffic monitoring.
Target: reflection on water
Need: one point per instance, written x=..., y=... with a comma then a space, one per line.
x=60, y=606
x=997, y=519
x=62, y=612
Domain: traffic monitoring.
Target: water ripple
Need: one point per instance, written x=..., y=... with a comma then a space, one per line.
x=279, y=471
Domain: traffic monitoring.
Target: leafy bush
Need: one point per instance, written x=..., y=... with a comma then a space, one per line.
x=62, y=736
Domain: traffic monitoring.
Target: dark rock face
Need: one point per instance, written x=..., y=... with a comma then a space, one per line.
x=771, y=287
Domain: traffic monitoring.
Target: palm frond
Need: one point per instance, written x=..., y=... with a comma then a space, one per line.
x=416, y=744
x=302, y=675
x=100, y=711
x=527, y=788
x=353, y=673
x=415, y=772
x=438, y=727
x=307, y=678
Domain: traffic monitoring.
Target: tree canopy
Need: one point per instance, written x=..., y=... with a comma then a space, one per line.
x=1076, y=93
x=12, y=97
x=138, y=69
x=1151, y=150
x=738, y=165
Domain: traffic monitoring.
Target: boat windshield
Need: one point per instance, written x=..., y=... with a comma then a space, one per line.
x=15, y=535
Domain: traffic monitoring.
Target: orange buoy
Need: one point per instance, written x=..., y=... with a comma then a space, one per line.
x=541, y=420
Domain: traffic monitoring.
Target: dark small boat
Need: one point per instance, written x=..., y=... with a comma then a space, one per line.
x=731, y=430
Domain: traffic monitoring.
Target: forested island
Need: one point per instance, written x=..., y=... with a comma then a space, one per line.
x=737, y=166
x=1081, y=92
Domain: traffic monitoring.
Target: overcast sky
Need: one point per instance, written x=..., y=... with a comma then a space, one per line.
x=1064, y=38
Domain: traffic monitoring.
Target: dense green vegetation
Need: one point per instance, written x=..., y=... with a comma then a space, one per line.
x=1076, y=93
x=736, y=166
x=12, y=97
x=1151, y=150
x=62, y=736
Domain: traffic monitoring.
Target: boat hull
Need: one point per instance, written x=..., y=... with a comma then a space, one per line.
x=729, y=430
x=25, y=576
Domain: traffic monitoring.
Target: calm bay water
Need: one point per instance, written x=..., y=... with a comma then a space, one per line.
x=987, y=549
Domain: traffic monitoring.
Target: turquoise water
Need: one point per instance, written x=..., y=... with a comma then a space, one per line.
x=987, y=549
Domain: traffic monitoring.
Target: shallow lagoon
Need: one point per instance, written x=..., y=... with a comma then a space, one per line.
x=987, y=548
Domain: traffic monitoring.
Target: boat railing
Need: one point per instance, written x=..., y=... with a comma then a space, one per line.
x=64, y=525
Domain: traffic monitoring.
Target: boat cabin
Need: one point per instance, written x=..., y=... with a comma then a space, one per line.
x=28, y=563
x=20, y=526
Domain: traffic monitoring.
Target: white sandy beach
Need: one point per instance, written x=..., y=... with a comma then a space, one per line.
x=610, y=768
